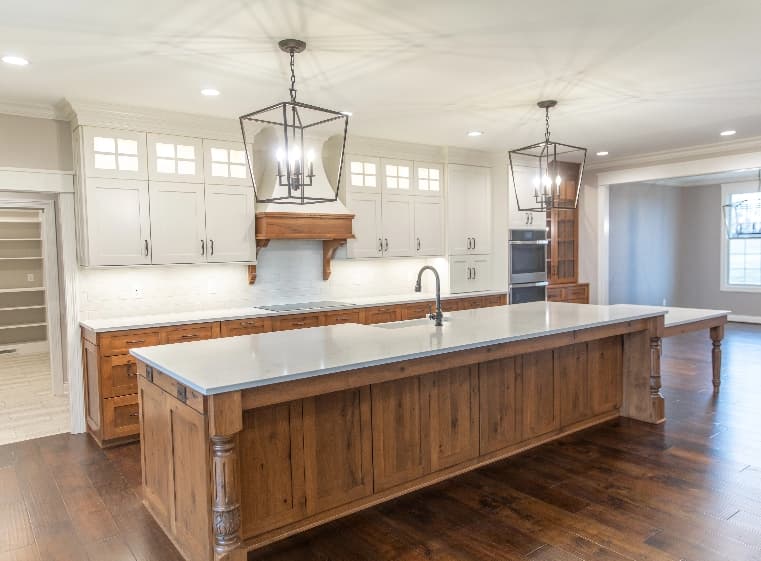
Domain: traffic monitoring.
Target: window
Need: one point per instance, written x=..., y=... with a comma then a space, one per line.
x=429, y=179
x=177, y=159
x=363, y=174
x=742, y=251
x=397, y=176
x=228, y=163
x=115, y=153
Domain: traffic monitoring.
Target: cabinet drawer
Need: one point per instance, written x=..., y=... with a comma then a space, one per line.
x=555, y=294
x=579, y=292
x=121, y=416
x=472, y=303
x=418, y=310
x=246, y=326
x=453, y=305
x=496, y=300
x=184, y=333
x=342, y=316
x=382, y=314
x=300, y=321
x=120, y=342
x=118, y=375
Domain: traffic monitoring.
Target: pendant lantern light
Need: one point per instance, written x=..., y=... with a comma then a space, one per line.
x=742, y=214
x=546, y=175
x=289, y=169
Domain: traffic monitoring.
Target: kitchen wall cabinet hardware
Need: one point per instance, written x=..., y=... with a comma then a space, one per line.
x=109, y=369
x=398, y=225
x=112, y=154
x=230, y=224
x=175, y=158
x=469, y=210
x=367, y=226
x=469, y=273
x=224, y=163
x=429, y=226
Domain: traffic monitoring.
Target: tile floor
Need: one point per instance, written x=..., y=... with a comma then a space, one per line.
x=28, y=408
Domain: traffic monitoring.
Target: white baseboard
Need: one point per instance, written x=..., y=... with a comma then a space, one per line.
x=28, y=348
x=744, y=319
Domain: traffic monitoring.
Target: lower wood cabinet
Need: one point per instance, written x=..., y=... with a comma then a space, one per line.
x=498, y=390
x=571, y=293
x=111, y=372
x=541, y=413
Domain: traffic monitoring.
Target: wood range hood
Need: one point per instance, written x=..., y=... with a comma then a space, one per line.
x=334, y=229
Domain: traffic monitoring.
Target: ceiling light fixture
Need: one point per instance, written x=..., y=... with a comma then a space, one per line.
x=475, y=133
x=209, y=92
x=728, y=133
x=15, y=60
x=547, y=175
x=603, y=153
x=285, y=138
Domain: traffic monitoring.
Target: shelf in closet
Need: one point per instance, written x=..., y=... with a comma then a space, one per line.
x=20, y=325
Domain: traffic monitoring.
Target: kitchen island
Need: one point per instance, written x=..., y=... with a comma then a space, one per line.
x=247, y=440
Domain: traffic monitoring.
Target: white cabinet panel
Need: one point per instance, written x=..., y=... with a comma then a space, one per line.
x=429, y=231
x=366, y=226
x=398, y=217
x=363, y=174
x=523, y=220
x=470, y=273
x=118, y=222
x=469, y=210
x=230, y=224
x=177, y=222
x=225, y=163
x=175, y=158
x=429, y=180
x=397, y=176
x=116, y=154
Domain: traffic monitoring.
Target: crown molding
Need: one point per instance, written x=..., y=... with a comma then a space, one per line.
x=28, y=109
x=727, y=147
x=36, y=180
x=113, y=116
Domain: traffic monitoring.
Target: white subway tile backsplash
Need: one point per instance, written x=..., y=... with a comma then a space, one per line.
x=287, y=271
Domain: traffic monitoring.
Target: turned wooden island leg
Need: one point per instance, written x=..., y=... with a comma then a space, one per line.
x=225, y=422
x=717, y=334
x=642, y=398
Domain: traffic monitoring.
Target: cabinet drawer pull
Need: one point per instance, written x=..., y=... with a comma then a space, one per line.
x=298, y=323
x=203, y=247
x=131, y=373
x=136, y=341
x=386, y=244
x=418, y=244
x=146, y=248
x=249, y=324
x=211, y=247
x=189, y=336
x=380, y=245
x=134, y=414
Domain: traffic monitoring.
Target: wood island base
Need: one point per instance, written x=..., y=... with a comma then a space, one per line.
x=232, y=472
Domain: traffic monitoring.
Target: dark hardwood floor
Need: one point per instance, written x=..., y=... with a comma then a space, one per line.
x=689, y=489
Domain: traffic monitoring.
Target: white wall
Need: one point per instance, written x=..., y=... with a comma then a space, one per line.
x=27, y=142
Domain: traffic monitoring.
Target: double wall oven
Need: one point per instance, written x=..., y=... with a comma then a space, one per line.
x=528, y=266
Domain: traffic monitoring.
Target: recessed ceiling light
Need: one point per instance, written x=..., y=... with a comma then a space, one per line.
x=210, y=92
x=475, y=133
x=728, y=133
x=15, y=60
x=602, y=153
x=347, y=113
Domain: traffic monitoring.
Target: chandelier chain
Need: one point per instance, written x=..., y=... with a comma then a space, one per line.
x=547, y=125
x=293, y=77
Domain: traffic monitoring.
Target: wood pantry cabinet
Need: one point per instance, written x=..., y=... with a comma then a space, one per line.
x=148, y=199
x=315, y=456
x=111, y=372
x=398, y=207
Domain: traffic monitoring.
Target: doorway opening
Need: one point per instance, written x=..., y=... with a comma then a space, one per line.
x=33, y=393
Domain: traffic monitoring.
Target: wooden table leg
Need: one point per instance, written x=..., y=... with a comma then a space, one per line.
x=717, y=334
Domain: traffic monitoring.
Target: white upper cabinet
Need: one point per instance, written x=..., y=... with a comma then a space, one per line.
x=429, y=227
x=469, y=210
x=523, y=220
x=178, y=231
x=116, y=154
x=397, y=176
x=398, y=229
x=175, y=158
x=429, y=180
x=230, y=224
x=225, y=163
x=118, y=222
x=363, y=174
x=367, y=226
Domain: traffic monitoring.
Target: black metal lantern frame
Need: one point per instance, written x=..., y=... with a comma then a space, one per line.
x=294, y=118
x=551, y=164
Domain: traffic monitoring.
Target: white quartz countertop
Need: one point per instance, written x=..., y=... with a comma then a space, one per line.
x=681, y=316
x=235, y=363
x=180, y=318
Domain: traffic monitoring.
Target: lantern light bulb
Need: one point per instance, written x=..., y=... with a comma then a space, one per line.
x=558, y=180
x=310, y=155
x=280, y=155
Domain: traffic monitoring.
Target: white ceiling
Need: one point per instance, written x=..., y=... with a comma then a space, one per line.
x=631, y=77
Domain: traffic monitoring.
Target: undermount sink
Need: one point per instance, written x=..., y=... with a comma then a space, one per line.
x=410, y=323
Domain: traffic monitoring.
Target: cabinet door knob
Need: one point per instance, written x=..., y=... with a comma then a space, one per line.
x=202, y=248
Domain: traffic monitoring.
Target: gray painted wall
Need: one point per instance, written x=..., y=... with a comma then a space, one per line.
x=644, y=231
x=700, y=256
x=27, y=142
